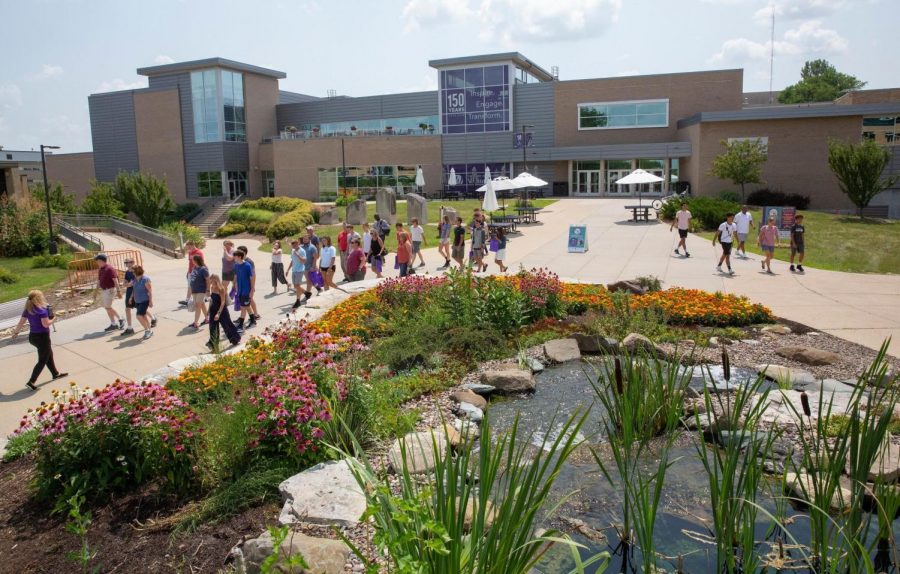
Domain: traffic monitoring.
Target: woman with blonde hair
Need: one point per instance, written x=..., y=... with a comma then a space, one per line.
x=218, y=314
x=39, y=317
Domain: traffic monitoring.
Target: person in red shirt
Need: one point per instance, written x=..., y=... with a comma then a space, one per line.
x=404, y=253
x=108, y=284
x=190, y=249
x=344, y=247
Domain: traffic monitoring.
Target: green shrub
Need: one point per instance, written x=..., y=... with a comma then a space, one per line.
x=765, y=197
x=186, y=231
x=23, y=228
x=20, y=445
x=7, y=277
x=290, y=224
x=182, y=211
x=730, y=195
x=248, y=214
x=278, y=204
x=45, y=261
x=650, y=282
x=708, y=212
x=145, y=196
x=344, y=200
x=102, y=200
x=230, y=229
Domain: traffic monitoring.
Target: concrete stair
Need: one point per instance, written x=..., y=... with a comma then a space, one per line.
x=214, y=215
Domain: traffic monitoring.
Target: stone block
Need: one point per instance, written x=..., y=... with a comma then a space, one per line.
x=467, y=396
x=808, y=355
x=323, y=494
x=562, y=350
x=422, y=449
x=509, y=380
x=323, y=555
x=594, y=344
x=357, y=212
x=416, y=207
x=329, y=216
x=386, y=204
x=785, y=376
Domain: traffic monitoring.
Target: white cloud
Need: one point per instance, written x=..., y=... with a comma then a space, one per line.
x=799, y=9
x=47, y=71
x=806, y=39
x=518, y=20
x=163, y=59
x=10, y=96
x=118, y=84
x=812, y=38
x=62, y=125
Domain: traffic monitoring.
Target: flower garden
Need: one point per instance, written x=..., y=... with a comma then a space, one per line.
x=308, y=392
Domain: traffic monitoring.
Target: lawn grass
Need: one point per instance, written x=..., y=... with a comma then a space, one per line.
x=839, y=243
x=465, y=208
x=28, y=278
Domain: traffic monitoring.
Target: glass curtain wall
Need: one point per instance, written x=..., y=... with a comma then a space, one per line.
x=233, y=106
x=412, y=125
x=217, y=99
x=475, y=99
x=364, y=181
x=209, y=183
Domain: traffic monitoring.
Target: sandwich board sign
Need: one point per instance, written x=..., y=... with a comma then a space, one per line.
x=578, y=239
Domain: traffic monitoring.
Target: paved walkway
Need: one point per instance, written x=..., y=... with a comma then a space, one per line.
x=861, y=308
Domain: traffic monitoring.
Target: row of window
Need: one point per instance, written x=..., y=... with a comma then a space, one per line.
x=212, y=184
x=590, y=177
x=412, y=125
x=882, y=130
x=217, y=98
x=617, y=115
x=366, y=179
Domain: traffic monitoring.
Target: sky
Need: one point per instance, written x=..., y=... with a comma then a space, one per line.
x=60, y=51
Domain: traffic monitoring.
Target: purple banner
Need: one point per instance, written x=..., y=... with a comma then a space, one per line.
x=475, y=98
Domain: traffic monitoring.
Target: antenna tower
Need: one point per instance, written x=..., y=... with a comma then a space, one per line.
x=772, y=56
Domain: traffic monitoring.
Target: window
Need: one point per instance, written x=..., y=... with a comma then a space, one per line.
x=475, y=100
x=268, y=183
x=209, y=183
x=233, y=106
x=618, y=115
x=217, y=97
x=470, y=176
x=366, y=180
x=882, y=130
x=412, y=125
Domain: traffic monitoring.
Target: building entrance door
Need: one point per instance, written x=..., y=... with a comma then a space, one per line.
x=587, y=183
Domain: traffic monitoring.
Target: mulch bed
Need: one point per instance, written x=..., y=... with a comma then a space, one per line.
x=33, y=541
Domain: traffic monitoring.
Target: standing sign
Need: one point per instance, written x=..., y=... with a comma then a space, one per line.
x=578, y=239
x=784, y=219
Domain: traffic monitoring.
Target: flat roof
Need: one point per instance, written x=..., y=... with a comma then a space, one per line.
x=787, y=112
x=517, y=58
x=209, y=63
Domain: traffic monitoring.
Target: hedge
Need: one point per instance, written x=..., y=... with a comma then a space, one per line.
x=709, y=212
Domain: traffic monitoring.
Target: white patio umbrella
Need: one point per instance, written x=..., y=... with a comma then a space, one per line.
x=639, y=176
x=525, y=180
x=420, y=177
x=501, y=183
x=452, y=179
x=490, y=198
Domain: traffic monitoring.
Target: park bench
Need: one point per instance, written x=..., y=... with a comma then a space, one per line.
x=10, y=312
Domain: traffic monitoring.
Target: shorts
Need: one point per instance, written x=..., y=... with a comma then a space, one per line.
x=107, y=296
x=416, y=247
x=142, y=308
x=199, y=299
x=682, y=233
x=768, y=248
x=244, y=299
x=445, y=241
x=742, y=237
x=726, y=248
x=128, y=304
x=458, y=251
x=798, y=248
x=228, y=275
x=329, y=268
x=297, y=277
x=500, y=255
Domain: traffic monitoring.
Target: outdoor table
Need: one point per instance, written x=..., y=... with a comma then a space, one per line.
x=506, y=227
x=453, y=195
x=505, y=219
x=528, y=214
x=640, y=212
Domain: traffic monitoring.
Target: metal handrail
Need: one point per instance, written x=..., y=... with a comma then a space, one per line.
x=129, y=229
x=78, y=236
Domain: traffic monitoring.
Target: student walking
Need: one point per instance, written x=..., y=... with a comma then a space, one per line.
x=744, y=223
x=725, y=234
x=768, y=236
x=190, y=249
x=418, y=239
x=366, y=240
x=245, y=281
x=253, y=312
x=297, y=269
x=219, y=315
x=356, y=261
x=312, y=258
x=500, y=256
x=142, y=298
x=798, y=243
x=227, y=264
x=108, y=284
x=478, y=244
x=376, y=258
x=459, y=243
x=382, y=227
x=327, y=265
x=199, y=287
x=404, y=253
x=683, y=220
x=129, y=302
x=277, y=267
x=39, y=317
x=444, y=231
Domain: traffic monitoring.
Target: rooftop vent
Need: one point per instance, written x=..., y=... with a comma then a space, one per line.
x=554, y=71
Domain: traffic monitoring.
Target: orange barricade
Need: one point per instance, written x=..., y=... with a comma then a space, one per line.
x=82, y=270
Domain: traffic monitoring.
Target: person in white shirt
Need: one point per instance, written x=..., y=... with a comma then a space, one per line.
x=683, y=219
x=418, y=238
x=367, y=240
x=744, y=223
x=725, y=234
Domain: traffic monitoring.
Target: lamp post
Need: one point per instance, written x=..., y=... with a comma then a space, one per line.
x=525, y=145
x=52, y=247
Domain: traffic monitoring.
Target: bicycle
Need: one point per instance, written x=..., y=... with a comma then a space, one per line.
x=658, y=203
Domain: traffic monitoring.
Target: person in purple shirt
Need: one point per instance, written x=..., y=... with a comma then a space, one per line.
x=39, y=317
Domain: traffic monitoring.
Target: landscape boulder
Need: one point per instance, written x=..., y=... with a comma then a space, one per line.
x=593, y=344
x=479, y=389
x=801, y=485
x=509, y=380
x=323, y=494
x=786, y=376
x=356, y=212
x=468, y=396
x=386, y=204
x=562, y=350
x=636, y=343
x=329, y=216
x=776, y=329
x=422, y=449
x=626, y=287
x=416, y=208
x=469, y=412
x=323, y=555
x=808, y=355
x=886, y=466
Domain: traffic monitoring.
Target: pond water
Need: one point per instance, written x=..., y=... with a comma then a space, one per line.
x=685, y=517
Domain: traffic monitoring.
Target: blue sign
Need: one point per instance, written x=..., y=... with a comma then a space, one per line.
x=578, y=239
x=517, y=140
x=475, y=100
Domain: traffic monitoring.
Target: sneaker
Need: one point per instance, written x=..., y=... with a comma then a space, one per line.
x=769, y=271
x=800, y=269
x=677, y=252
x=254, y=318
x=59, y=376
x=128, y=331
x=147, y=334
x=153, y=322
x=307, y=296
x=121, y=324
x=209, y=345
x=296, y=304
x=686, y=254
x=183, y=302
x=31, y=386
x=730, y=271
x=251, y=324
x=239, y=323
x=111, y=327
x=719, y=268
x=792, y=268
x=422, y=264
x=318, y=290
x=205, y=321
x=194, y=326
x=762, y=264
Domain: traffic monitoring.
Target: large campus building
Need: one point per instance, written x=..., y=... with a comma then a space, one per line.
x=217, y=127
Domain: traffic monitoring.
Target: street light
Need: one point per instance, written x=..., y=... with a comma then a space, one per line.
x=525, y=145
x=53, y=249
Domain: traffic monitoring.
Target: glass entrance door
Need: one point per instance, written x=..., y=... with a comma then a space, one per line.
x=612, y=188
x=587, y=183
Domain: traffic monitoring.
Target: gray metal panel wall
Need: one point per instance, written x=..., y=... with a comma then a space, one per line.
x=113, y=133
x=351, y=109
x=532, y=104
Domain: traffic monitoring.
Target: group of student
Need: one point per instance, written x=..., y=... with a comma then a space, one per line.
x=483, y=240
x=736, y=228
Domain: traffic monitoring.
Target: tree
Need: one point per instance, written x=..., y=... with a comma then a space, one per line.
x=102, y=200
x=741, y=163
x=859, y=169
x=819, y=82
x=145, y=196
x=60, y=201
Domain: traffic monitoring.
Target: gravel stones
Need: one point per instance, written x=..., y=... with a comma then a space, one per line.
x=786, y=376
x=562, y=350
x=808, y=355
x=323, y=494
x=467, y=396
x=323, y=555
x=421, y=449
x=509, y=380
